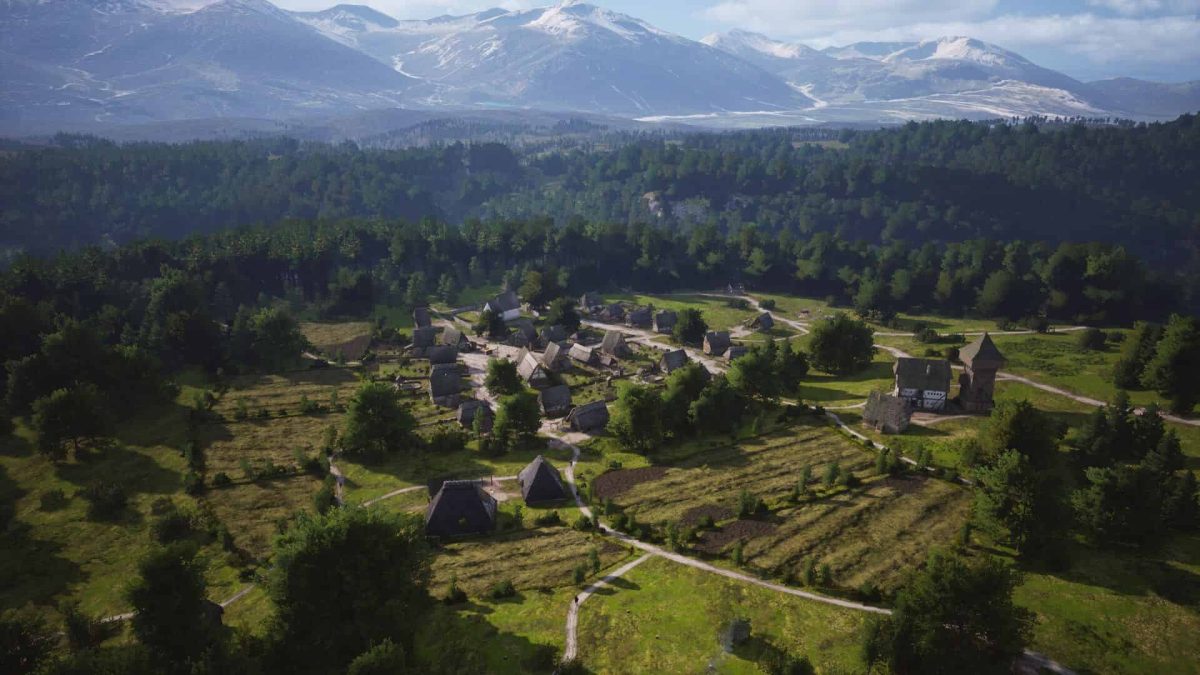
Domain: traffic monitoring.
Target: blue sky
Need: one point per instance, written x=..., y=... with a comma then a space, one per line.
x=1088, y=39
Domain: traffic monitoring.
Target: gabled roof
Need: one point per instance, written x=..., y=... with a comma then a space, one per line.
x=421, y=317
x=470, y=408
x=524, y=332
x=674, y=360
x=763, y=321
x=582, y=353
x=424, y=337
x=640, y=317
x=504, y=302
x=734, y=352
x=529, y=367
x=982, y=352
x=555, y=401
x=452, y=336
x=716, y=341
x=665, y=321
x=555, y=333
x=460, y=507
x=540, y=482
x=613, y=312
x=589, y=417
x=554, y=355
x=922, y=374
x=445, y=379
x=614, y=343
x=589, y=300
x=441, y=354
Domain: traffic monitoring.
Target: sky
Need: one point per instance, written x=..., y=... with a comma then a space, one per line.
x=1087, y=39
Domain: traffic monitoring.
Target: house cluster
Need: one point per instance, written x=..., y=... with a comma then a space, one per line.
x=463, y=507
x=925, y=385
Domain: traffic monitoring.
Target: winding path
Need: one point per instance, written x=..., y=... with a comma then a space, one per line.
x=571, y=650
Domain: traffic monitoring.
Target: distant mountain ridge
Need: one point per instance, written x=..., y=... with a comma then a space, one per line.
x=86, y=64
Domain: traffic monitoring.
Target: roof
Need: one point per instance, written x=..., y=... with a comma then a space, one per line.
x=613, y=312
x=553, y=355
x=614, y=342
x=640, y=317
x=716, y=341
x=555, y=333
x=441, y=354
x=504, y=302
x=529, y=367
x=470, y=408
x=424, y=337
x=445, y=379
x=589, y=416
x=665, y=320
x=540, y=482
x=421, y=317
x=582, y=353
x=588, y=300
x=525, y=332
x=922, y=374
x=763, y=321
x=982, y=352
x=735, y=351
x=452, y=336
x=674, y=360
x=460, y=507
x=555, y=400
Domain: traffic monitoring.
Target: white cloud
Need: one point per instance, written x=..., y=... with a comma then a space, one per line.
x=416, y=9
x=827, y=16
x=1141, y=7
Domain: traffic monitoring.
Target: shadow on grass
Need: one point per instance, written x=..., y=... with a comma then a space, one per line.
x=1156, y=571
x=459, y=639
x=135, y=471
x=31, y=569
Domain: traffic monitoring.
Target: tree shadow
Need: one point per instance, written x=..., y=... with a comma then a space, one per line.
x=16, y=446
x=457, y=639
x=31, y=569
x=135, y=471
x=1160, y=570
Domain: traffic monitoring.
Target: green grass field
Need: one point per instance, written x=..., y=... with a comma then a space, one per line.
x=717, y=312
x=665, y=618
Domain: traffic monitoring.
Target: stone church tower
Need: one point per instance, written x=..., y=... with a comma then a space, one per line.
x=977, y=384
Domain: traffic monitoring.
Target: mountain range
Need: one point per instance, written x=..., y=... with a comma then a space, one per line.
x=90, y=64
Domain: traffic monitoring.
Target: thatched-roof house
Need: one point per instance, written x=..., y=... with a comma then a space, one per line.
x=438, y=354
x=531, y=370
x=555, y=333
x=453, y=337
x=555, y=401
x=472, y=409
x=505, y=305
x=524, y=334
x=924, y=383
x=582, y=353
x=540, y=482
x=612, y=313
x=589, y=417
x=886, y=413
x=445, y=384
x=460, y=507
x=639, y=318
x=608, y=360
x=590, y=302
x=664, y=321
x=763, y=322
x=735, y=352
x=421, y=317
x=614, y=344
x=424, y=337
x=555, y=358
x=716, y=342
x=672, y=361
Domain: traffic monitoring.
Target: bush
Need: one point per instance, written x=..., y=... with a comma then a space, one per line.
x=326, y=498
x=454, y=594
x=579, y=574
x=849, y=480
x=748, y=505
x=446, y=440
x=502, y=589
x=52, y=500
x=106, y=499
x=1092, y=339
x=308, y=407
x=171, y=526
x=222, y=479
x=950, y=353
x=926, y=335
x=83, y=631
x=193, y=483
x=1037, y=324
x=767, y=304
x=548, y=519
x=832, y=473
x=583, y=523
x=241, y=409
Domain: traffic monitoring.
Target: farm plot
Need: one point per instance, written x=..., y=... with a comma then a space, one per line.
x=255, y=511
x=767, y=466
x=348, y=340
x=718, y=312
x=531, y=559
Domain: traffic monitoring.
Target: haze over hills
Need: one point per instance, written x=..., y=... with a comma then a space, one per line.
x=83, y=65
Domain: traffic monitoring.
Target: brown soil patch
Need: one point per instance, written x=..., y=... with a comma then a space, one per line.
x=695, y=515
x=614, y=483
x=716, y=541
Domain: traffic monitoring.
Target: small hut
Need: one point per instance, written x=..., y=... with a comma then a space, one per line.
x=614, y=344
x=524, y=334
x=716, y=342
x=552, y=334
x=763, y=322
x=460, y=508
x=453, y=337
x=887, y=413
x=506, y=305
x=554, y=359
x=439, y=354
x=445, y=384
x=583, y=354
x=555, y=401
x=472, y=409
x=425, y=337
x=589, y=417
x=421, y=318
x=540, y=482
x=639, y=318
x=735, y=352
x=531, y=370
x=672, y=361
x=664, y=321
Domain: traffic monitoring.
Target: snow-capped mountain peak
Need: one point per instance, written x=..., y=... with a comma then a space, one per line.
x=573, y=19
x=957, y=48
x=739, y=41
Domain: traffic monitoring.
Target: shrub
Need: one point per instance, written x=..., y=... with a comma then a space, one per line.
x=926, y=335
x=502, y=589
x=826, y=575
x=748, y=505
x=241, y=409
x=583, y=523
x=222, y=479
x=171, y=526
x=1092, y=339
x=308, y=407
x=326, y=498
x=52, y=500
x=950, y=353
x=1037, y=324
x=106, y=499
x=848, y=479
x=738, y=553
x=445, y=440
x=193, y=483
x=454, y=594
x=83, y=631
x=547, y=519
x=594, y=560
x=579, y=574
x=707, y=522
x=832, y=473
x=767, y=304
x=810, y=572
